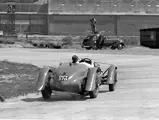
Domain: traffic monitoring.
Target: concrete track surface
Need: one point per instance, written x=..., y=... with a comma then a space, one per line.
x=135, y=98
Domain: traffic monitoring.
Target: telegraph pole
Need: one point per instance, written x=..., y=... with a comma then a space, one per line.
x=116, y=25
x=11, y=19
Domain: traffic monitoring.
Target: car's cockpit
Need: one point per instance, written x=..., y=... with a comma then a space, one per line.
x=86, y=60
x=89, y=61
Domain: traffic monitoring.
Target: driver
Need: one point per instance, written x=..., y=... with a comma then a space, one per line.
x=75, y=59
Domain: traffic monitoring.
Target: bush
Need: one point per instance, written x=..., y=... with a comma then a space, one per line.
x=68, y=40
x=5, y=41
x=80, y=39
x=134, y=40
x=50, y=45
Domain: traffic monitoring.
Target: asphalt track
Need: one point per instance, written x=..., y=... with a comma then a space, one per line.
x=135, y=98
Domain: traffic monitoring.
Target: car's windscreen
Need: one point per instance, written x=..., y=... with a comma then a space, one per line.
x=89, y=37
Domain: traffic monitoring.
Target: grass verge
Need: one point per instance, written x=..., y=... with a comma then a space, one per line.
x=17, y=79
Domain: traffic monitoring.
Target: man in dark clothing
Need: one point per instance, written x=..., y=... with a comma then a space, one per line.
x=99, y=37
x=93, y=27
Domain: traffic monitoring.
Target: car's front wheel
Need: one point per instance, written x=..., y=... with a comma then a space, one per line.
x=88, y=48
x=120, y=46
x=46, y=93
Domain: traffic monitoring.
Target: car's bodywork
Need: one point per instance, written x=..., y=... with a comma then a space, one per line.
x=76, y=78
x=98, y=41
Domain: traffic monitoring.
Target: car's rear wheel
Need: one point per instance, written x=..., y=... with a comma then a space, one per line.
x=46, y=93
x=120, y=46
x=94, y=93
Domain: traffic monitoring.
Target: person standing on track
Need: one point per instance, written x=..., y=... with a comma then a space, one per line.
x=93, y=27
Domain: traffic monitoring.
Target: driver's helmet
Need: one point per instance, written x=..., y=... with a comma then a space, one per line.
x=74, y=58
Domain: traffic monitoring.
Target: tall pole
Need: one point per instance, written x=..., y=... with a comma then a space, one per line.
x=0, y=23
x=11, y=19
x=29, y=29
x=48, y=8
x=116, y=25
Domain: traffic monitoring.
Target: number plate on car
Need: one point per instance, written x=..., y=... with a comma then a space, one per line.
x=63, y=78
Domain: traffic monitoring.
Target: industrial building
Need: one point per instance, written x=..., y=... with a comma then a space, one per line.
x=63, y=17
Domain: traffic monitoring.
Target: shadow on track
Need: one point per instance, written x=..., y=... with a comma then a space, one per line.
x=103, y=91
x=60, y=96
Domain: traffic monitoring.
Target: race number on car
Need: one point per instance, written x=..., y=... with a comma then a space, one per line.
x=63, y=78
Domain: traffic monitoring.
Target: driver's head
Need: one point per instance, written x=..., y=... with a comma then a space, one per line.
x=74, y=58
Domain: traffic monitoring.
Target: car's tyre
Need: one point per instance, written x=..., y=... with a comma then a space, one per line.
x=94, y=93
x=113, y=47
x=113, y=86
x=120, y=46
x=35, y=44
x=46, y=93
x=88, y=48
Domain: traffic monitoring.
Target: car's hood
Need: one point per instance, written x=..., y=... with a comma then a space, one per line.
x=72, y=70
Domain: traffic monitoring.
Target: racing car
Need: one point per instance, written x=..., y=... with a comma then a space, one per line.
x=84, y=78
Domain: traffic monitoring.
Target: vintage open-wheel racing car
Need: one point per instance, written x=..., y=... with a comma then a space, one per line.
x=83, y=78
x=98, y=41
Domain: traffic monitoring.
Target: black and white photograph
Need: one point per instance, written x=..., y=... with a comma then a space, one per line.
x=79, y=59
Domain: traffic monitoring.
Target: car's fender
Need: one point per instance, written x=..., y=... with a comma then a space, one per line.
x=122, y=44
x=91, y=79
x=111, y=74
x=43, y=78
